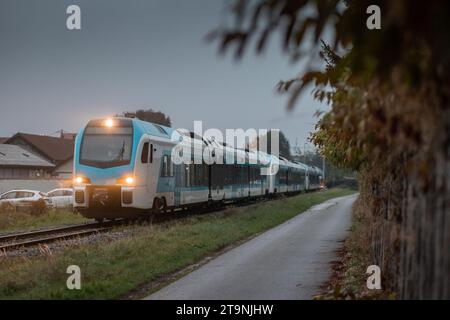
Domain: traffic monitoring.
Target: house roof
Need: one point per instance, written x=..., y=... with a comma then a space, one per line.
x=55, y=149
x=15, y=156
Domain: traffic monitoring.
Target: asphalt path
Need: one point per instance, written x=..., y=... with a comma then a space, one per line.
x=290, y=261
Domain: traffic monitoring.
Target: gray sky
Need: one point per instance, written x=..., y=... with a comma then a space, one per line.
x=136, y=54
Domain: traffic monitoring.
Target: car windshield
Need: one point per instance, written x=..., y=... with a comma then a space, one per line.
x=103, y=148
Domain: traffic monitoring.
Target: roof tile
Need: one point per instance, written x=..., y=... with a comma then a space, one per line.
x=15, y=156
x=56, y=149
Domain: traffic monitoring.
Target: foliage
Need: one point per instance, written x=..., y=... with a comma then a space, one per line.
x=410, y=53
x=349, y=280
x=390, y=118
x=284, y=145
x=150, y=115
x=410, y=38
x=38, y=207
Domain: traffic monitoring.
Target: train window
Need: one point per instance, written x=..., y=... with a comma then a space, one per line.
x=106, y=148
x=253, y=177
x=164, y=167
x=144, y=155
x=238, y=174
x=217, y=176
x=231, y=175
x=243, y=175
x=170, y=166
x=160, y=129
x=281, y=176
x=187, y=176
x=151, y=153
x=203, y=175
x=192, y=174
x=167, y=167
x=198, y=175
x=257, y=175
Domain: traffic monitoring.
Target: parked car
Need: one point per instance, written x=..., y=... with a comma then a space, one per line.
x=34, y=201
x=61, y=198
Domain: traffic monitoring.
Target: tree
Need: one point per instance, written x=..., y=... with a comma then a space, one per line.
x=410, y=34
x=284, y=145
x=390, y=96
x=150, y=115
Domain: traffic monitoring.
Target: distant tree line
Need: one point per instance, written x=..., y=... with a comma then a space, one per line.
x=283, y=143
x=149, y=115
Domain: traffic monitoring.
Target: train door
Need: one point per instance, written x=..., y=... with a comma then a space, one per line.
x=288, y=187
x=218, y=176
x=209, y=183
x=249, y=179
x=307, y=180
x=262, y=180
x=145, y=164
x=179, y=172
x=143, y=174
x=153, y=168
x=270, y=180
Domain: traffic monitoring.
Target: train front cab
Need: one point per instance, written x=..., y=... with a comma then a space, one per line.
x=113, y=169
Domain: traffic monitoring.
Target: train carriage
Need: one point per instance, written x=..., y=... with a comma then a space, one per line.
x=315, y=177
x=125, y=168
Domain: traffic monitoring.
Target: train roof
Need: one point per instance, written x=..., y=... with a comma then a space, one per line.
x=156, y=129
x=316, y=170
x=187, y=137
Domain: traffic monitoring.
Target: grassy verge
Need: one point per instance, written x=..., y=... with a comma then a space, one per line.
x=349, y=273
x=110, y=270
x=12, y=221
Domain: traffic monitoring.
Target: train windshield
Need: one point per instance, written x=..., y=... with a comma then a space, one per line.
x=105, y=147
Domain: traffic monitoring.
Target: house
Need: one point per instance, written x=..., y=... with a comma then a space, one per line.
x=21, y=169
x=18, y=163
x=56, y=150
x=68, y=135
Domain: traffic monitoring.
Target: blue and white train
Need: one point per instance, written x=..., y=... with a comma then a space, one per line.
x=123, y=169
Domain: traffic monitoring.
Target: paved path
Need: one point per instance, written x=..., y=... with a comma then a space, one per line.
x=289, y=261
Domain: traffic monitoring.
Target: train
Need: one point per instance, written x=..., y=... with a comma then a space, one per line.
x=125, y=168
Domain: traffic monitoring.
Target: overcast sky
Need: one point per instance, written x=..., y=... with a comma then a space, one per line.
x=136, y=54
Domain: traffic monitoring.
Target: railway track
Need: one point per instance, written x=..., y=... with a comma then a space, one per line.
x=31, y=238
x=26, y=239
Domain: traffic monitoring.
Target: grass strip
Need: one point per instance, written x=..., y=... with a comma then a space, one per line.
x=15, y=221
x=111, y=269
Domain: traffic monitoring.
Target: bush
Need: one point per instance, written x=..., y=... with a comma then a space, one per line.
x=38, y=207
x=6, y=207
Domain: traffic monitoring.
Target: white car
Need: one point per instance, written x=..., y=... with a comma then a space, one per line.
x=25, y=199
x=61, y=198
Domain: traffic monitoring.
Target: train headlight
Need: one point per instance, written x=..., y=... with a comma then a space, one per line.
x=108, y=123
x=80, y=180
x=128, y=180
